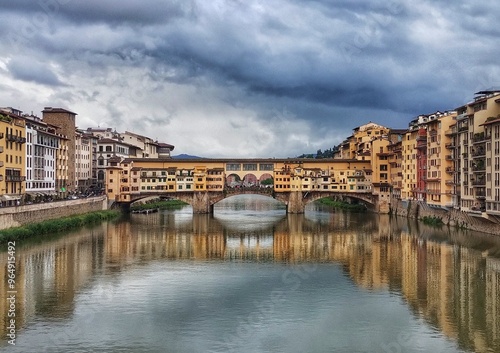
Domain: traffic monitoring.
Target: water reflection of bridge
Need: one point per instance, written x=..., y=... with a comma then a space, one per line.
x=441, y=282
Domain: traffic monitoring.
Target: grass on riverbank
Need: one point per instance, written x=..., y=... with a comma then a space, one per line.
x=55, y=225
x=343, y=205
x=162, y=205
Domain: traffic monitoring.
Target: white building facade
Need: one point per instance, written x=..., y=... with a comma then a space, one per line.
x=42, y=143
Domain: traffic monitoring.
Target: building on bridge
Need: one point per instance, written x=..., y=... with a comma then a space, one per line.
x=203, y=182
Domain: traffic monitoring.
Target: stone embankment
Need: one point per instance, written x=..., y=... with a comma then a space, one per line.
x=21, y=215
x=452, y=218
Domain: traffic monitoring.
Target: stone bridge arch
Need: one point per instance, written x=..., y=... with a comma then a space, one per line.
x=364, y=198
x=295, y=201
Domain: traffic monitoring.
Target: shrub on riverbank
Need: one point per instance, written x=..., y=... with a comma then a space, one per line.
x=432, y=221
x=162, y=205
x=356, y=207
x=55, y=225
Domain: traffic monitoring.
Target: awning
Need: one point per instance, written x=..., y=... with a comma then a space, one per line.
x=10, y=197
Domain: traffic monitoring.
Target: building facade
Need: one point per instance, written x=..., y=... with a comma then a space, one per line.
x=478, y=152
x=83, y=161
x=12, y=157
x=65, y=120
x=42, y=143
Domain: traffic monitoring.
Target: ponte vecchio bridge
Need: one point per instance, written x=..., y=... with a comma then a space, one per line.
x=204, y=182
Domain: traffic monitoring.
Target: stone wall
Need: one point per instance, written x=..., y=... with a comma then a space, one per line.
x=418, y=210
x=21, y=215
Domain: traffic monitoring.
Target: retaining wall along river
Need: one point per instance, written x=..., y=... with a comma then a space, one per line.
x=418, y=210
x=21, y=215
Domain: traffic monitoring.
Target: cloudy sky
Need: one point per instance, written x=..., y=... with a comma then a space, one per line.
x=225, y=78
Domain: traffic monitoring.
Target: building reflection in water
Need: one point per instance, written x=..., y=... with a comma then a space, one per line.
x=456, y=289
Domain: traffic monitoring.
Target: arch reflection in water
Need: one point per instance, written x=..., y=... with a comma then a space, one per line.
x=446, y=278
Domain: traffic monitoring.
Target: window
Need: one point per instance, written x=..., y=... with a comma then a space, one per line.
x=266, y=166
x=249, y=166
x=233, y=166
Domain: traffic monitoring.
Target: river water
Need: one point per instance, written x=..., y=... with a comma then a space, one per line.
x=252, y=279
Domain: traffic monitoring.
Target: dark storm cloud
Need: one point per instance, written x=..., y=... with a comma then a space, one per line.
x=331, y=64
x=27, y=69
x=109, y=11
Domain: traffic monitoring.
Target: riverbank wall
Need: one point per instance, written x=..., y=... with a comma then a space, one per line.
x=452, y=218
x=22, y=215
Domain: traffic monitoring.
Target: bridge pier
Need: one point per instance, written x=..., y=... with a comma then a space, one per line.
x=201, y=203
x=296, y=202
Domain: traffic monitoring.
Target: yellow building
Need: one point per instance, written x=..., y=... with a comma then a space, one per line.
x=12, y=157
x=359, y=144
x=396, y=173
x=62, y=160
x=439, y=181
x=492, y=131
x=478, y=153
x=409, y=164
x=215, y=179
x=381, y=167
x=282, y=179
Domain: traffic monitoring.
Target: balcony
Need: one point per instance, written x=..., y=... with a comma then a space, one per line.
x=463, y=128
x=479, y=137
x=15, y=138
x=449, y=182
x=449, y=157
x=465, y=169
x=478, y=167
x=479, y=153
x=450, y=132
x=1, y=135
x=479, y=183
x=450, y=145
x=450, y=170
x=433, y=192
x=432, y=180
x=476, y=210
x=481, y=195
x=15, y=178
